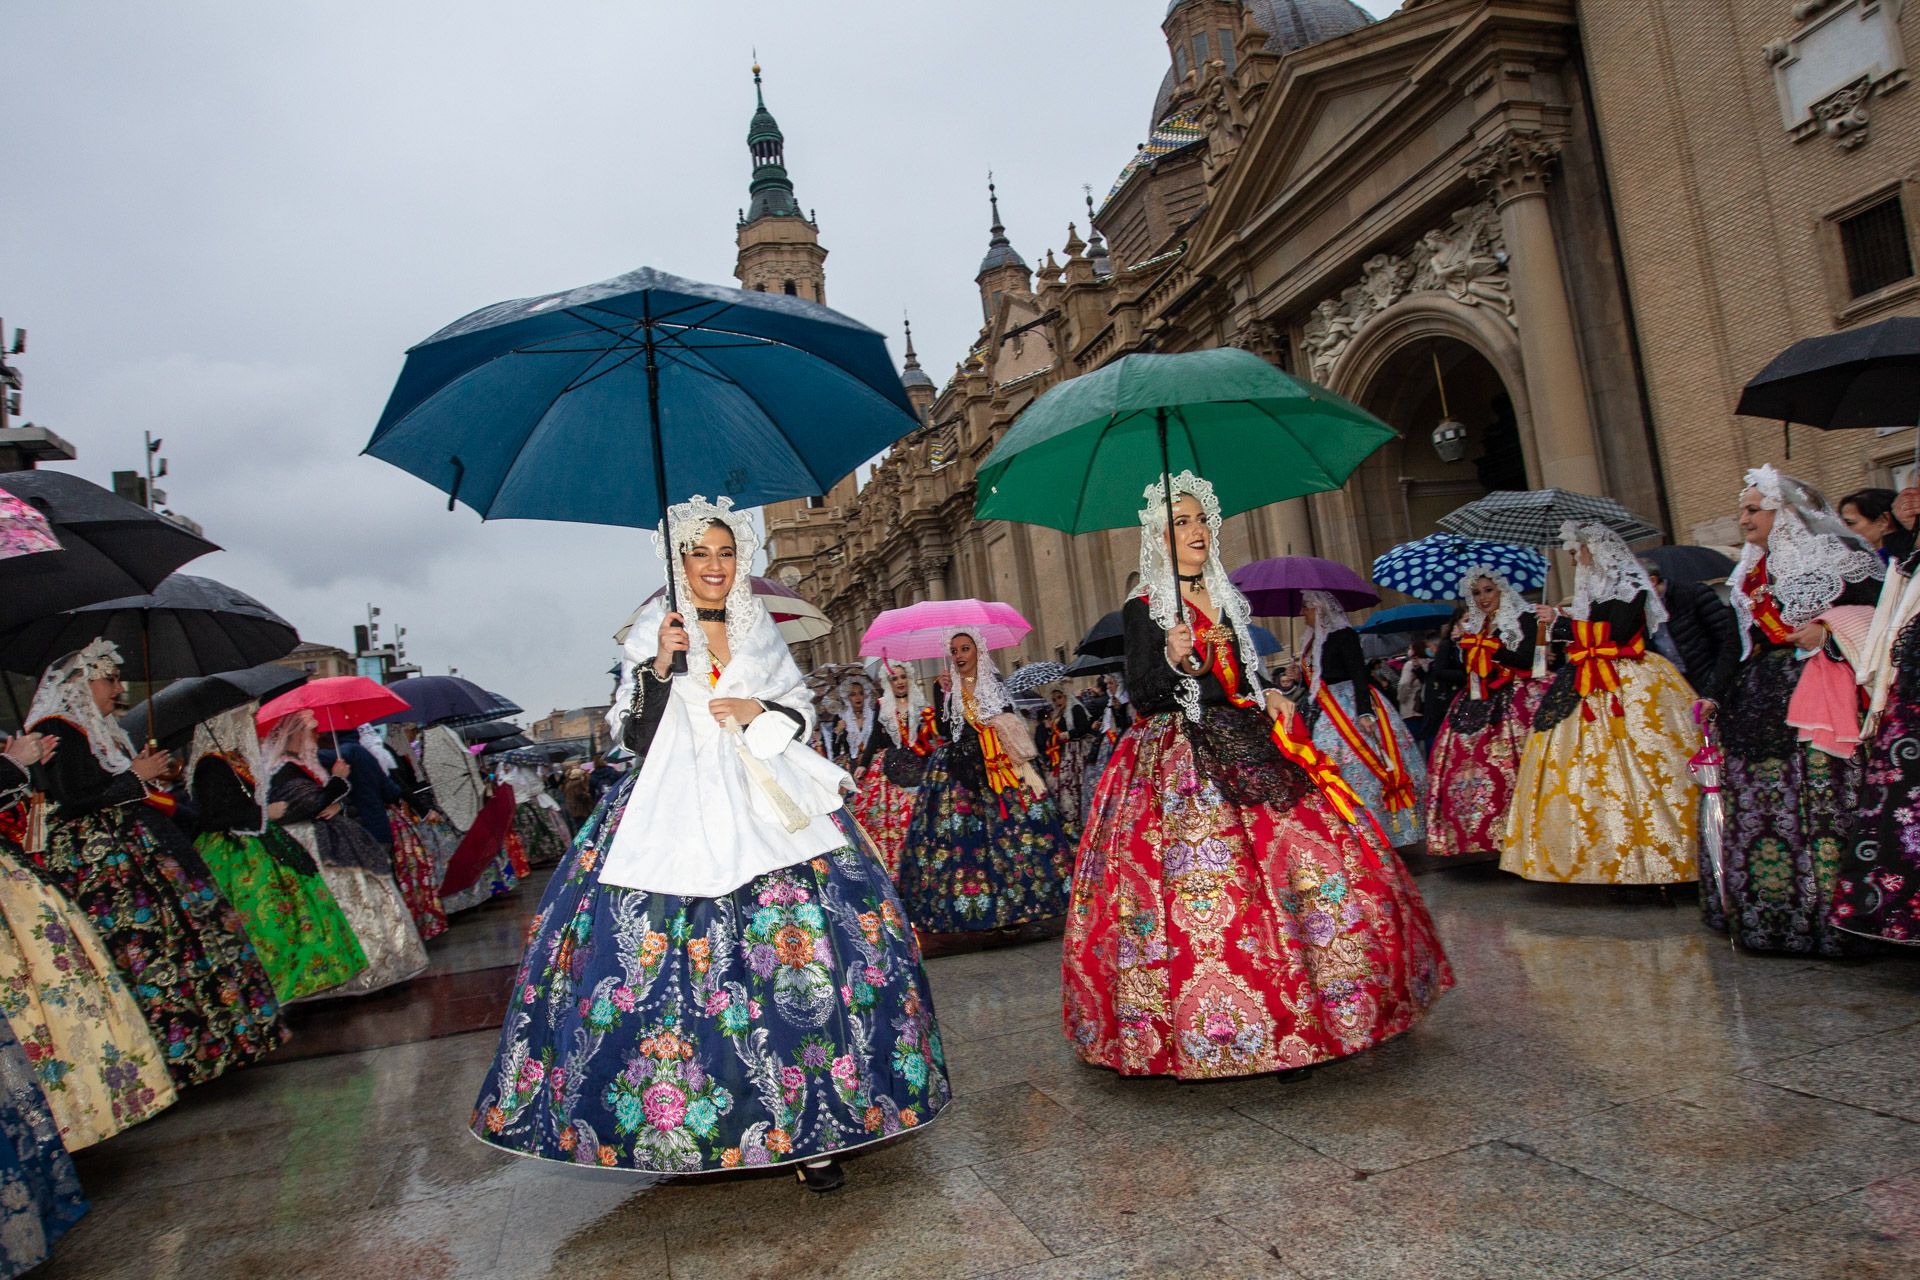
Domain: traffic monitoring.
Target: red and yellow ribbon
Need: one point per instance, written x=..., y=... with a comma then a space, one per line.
x=1000, y=772
x=1384, y=762
x=1480, y=651
x=1596, y=657
x=1321, y=771
x=1766, y=610
x=929, y=735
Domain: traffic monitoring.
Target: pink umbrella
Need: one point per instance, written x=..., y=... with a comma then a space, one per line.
x=922, y=630
x=337, y=702
x=23, y=530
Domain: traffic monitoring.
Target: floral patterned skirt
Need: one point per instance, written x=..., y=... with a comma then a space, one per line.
x=973, y=860
x=1877, y=894
x=787, y=1021
x=883, y=811
x=181, y=947
x=40, y=1197
x=1403, y=826
x=303, y=941
x=1069, y=786
x=1212, y=939
x=1606, y=799
x=1789, y=815
x=1475, y=760
x=541, y=832
x=417, y=873
x=92, y=1053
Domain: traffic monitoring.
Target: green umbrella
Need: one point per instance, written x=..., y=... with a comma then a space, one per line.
x=1078, y=458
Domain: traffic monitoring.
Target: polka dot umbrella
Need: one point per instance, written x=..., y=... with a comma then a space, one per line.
x=1430, y=568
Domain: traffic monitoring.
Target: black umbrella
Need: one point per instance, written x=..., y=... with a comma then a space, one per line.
x=446, y=700
x=186, y=626
x=1865, y=377
x=109, y=548
x=1689, y=564
x=1091, y=665
x=490, y=731
x=1106, y=638
x=185, y=703
x=518, y=742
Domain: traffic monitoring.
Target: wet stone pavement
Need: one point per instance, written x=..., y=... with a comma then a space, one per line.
x=1610, y=1091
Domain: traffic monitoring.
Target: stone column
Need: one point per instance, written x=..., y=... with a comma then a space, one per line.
x=1516, y=167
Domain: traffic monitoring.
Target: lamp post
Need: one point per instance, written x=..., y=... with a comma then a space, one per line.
x=1450, y=437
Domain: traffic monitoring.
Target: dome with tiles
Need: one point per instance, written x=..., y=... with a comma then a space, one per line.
x=1289, y=24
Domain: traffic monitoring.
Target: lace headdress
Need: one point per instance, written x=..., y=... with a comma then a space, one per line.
x=374, y=738
x=278, y=747
x=857, y=730
x=1615, y=573
x=1329, y=616
x=1506, y=616
x=1158, y=578
x=65, y=693
x=687, y=523
x=232, y=734
x=890, y=709
x=990, y=697
x=1811, y=555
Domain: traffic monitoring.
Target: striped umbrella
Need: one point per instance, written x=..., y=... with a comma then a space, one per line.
x=1430, y=568
x=1532, y=517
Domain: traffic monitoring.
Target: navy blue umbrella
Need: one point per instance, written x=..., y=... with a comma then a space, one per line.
x=1406, y=618
x=446, y=700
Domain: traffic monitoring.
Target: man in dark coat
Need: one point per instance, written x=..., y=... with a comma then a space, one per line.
x=1702, y=630
x=372, y=790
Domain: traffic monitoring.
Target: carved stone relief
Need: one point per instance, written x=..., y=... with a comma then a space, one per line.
x=1840, y=56
x=1467, y=261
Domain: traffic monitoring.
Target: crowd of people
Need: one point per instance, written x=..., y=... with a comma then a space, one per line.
x=160, y=910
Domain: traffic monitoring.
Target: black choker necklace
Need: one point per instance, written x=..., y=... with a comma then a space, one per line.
x=1193, y=579
x=711, y=615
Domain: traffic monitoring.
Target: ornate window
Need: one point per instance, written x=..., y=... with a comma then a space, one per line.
x=1874, y=245
x=791, y=290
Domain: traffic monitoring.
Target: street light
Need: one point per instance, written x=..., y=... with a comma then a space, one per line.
x=1450, y=437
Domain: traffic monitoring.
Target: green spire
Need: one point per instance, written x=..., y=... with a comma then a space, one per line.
x=772, y=189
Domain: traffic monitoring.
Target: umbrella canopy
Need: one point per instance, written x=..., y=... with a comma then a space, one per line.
x=1092, y=665
x=1107, y=639
x=23, y=530
x=1689, y=564
x=1078, y=458
x=185, y=703
x=490, y=731
x=1430, y=568
x=518, y=409
x=338, y=703
x=1274, y=586
x=1865, y=377
x=500, y=746
x=798, y=620
x=109, y=548
x=1532, y=517
x=922, y=630
x=445, y=700
x=1406, y=619
x=186, y=626
x=1035, y=675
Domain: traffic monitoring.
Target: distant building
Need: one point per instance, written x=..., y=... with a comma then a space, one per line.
x=319, y=661
x=587, y=725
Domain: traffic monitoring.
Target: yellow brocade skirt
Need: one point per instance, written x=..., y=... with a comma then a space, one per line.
x=1606, y=799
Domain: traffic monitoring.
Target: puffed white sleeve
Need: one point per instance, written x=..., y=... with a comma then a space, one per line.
x=774, y=729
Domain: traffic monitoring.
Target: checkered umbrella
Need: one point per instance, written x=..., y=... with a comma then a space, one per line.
x=1532, y=517
x=1430, y=569
x=1035, y=675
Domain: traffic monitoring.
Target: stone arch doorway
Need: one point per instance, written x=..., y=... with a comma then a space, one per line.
x=1415, y=358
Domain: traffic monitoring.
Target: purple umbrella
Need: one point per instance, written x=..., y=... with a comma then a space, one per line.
x=1273, y=586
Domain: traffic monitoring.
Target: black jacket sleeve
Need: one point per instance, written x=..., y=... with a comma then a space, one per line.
x=225, y=802
x=413, y=788
x=1448, y=670
x=1718, y=627
x=76, y=782
x=653, y=694
x=305, y=799
x=1150, y=681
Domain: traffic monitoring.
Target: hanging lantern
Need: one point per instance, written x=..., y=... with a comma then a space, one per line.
x=1450, y=437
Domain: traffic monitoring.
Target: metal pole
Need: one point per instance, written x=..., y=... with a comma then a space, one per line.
x=679, y=665
x=1166, y=482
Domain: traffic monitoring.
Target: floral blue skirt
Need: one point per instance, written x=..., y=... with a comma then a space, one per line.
x=787, y=1021
x=973, y=861
x=39, y=1190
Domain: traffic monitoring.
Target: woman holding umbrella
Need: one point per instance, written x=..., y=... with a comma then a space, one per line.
x=984, y=849
x=1356, y=726
x=1235, y=910
x=1604, y=795
x=303, y=940
x=1804, y=591
x=719, y=975
x=1476, y=756
x=893, y=764
x=177, y=941
x=357, y=871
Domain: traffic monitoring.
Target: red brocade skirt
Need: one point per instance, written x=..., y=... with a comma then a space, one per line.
x=883, y=811
x=1475, y=761
x=1210, y=939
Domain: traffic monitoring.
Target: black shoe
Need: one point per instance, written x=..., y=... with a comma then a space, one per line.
x=1293, y=1075
x=822, y=1176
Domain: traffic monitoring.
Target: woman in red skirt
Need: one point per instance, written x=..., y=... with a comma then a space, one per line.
x=1235, y=910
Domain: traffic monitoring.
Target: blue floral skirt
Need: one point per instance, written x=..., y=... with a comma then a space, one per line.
x=39, y=1191
x=973, y=861
x=787, y=1021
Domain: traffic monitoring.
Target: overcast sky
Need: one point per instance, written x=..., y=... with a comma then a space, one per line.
x=226, y=222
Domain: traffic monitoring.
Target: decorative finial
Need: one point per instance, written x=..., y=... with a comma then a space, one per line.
x=758, y=96
x=1088, y=188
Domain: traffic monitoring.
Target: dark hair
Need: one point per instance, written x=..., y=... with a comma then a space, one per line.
x=1870, y=503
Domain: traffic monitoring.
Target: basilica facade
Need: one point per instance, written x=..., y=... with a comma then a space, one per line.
x=1547, y=240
